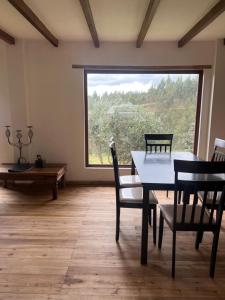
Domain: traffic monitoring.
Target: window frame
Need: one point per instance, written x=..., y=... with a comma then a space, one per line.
x=140, y=70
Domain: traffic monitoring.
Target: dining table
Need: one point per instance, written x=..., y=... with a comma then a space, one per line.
x=156, y=172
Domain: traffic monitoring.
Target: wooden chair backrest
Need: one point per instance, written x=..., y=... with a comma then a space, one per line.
x=192, y=177
x=112, y=147
x=219, y=150
x=158, y=142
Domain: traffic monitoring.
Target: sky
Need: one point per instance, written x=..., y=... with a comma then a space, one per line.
x=101, y=83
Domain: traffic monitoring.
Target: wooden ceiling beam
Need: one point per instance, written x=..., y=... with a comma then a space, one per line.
x=212, y=14
x=28, y=14
x=6, y=37
x=150, y=13
x=90, y=21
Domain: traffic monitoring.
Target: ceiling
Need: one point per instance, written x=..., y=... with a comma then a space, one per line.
x=117, y=20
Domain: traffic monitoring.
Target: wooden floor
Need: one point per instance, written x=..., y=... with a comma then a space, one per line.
x=65, y=249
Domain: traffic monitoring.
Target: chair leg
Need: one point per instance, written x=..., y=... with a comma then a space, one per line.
x=213, y=254
x=150, y=217
x=117, y=223
x=198, y=239
x=161, y=224
x=154, y=223
x=174, y=254
x=167, y=193
x=179, y=197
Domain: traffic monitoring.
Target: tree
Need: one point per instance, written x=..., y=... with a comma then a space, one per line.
x=168, y=107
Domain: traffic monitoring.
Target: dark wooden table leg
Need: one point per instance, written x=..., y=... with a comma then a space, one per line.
x=5, y=183
x=144, y=236
x=132, y=168
x=55, y=190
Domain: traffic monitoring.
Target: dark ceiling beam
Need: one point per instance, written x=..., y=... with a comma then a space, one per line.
x=28, y=14
x=6, y=37
x=212, y=14
x=90, y=21
x=151, y=10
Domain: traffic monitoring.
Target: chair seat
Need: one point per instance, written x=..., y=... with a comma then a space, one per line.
x=167, y=211
x=209, y=199
x=130, y=181
x=135, y=195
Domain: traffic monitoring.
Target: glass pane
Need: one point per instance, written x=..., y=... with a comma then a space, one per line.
x=125, y=106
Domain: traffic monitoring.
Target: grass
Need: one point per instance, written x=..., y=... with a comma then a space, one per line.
x=94, y=159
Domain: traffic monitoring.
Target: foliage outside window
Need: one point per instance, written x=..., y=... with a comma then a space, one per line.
x=162, y=103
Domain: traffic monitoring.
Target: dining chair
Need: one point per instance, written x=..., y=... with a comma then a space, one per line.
x=127, y=180
x=130, y=197
x=218, y=155
x=219, y=150
x=131, y=181
x=157, y=142
x=193, y=215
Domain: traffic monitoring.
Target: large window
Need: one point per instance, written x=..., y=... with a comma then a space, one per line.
x=127, y=105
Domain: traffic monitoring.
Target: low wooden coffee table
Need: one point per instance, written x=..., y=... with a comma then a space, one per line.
x=52, y=174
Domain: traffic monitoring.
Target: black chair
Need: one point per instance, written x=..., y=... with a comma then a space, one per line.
x=158, y=142
x=155, y=142
x=128, y=180
x=219, y=150
x=130, y=197
x=190, y=216
x=218, y=155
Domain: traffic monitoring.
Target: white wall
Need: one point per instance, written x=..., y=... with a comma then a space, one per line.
x=46, y=92
x=218, y=96
x=6, y=152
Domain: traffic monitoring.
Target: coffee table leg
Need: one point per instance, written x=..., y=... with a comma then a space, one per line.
x=144, y=237
x=63, y=181
x=55, y=190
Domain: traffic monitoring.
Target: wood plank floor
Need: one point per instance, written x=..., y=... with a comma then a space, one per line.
x=65, y=249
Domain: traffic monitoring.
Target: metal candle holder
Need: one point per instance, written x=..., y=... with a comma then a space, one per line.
x=19, y=144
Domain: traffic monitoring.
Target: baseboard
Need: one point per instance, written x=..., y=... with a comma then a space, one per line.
x=74, y=183
x=90, y=183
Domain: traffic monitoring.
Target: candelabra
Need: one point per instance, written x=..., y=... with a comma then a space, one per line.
x=19, y=144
